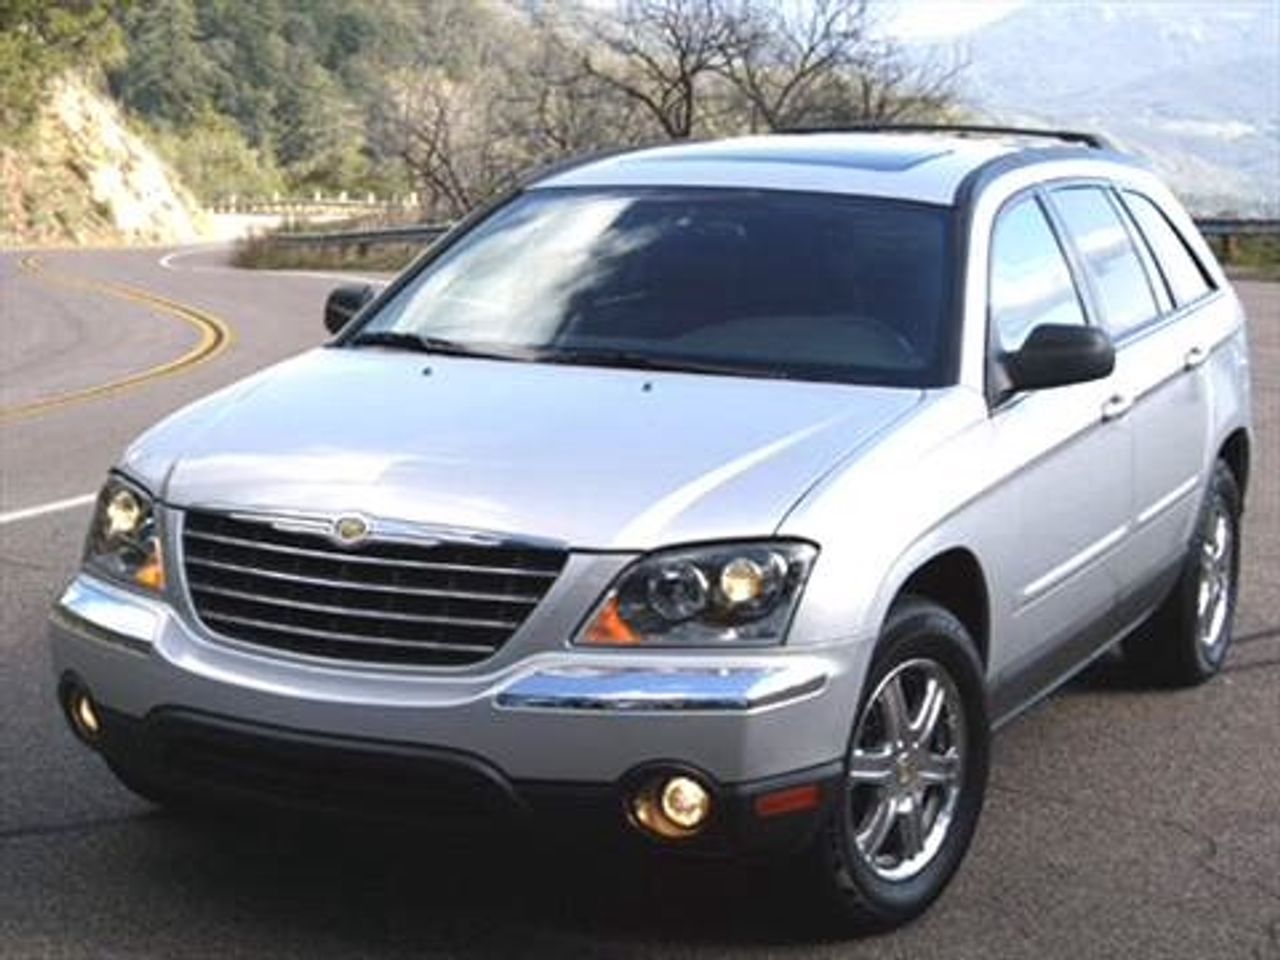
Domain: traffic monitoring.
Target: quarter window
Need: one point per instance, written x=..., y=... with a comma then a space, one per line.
x=1186, y=279
x=1123, y=292
x=1031, y=284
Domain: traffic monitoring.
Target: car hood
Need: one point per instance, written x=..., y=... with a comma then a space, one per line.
x=592, y=457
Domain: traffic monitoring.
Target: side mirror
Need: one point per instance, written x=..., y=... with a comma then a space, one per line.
x=344, y=303
x=1055, y=355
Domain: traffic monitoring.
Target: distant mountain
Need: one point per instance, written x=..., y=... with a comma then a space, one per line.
x=1193, y=86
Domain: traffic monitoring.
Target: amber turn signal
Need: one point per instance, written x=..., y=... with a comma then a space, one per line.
x=608, y=629
x=151, y=573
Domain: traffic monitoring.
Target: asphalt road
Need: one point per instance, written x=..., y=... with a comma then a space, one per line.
x=1120, y=821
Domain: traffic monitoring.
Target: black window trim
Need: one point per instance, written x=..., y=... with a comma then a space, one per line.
x=1176, y=310
x=1106, y=186
x=1157, y=278
x=997, y=399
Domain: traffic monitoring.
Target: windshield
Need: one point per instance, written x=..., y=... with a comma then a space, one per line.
x=756, y=283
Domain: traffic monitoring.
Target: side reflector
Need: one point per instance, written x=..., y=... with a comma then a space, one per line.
x=790, y=800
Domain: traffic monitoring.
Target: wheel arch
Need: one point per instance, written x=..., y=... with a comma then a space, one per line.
x=954, y=579
x=1235, y=453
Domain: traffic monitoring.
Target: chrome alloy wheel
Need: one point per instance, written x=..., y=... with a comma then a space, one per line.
x=1217, y=568
x=906, y=768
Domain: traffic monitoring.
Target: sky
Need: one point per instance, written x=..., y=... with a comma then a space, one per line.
x=938, y=19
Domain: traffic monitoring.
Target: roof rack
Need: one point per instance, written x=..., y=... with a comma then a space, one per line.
x=1094, y=140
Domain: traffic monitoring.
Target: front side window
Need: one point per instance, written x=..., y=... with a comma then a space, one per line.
x=1117, y=275
x=764, y=283
x=1030, y=282
x=1186, y=278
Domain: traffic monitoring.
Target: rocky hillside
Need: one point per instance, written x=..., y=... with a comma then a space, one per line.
x=79, y=175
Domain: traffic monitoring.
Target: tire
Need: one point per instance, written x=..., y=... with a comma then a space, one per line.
x=878, y=883
x=1184, y=643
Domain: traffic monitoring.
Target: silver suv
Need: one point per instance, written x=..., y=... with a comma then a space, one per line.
x=729, y=493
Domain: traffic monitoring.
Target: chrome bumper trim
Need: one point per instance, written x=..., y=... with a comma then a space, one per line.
x=646, y=689
x=116, y=615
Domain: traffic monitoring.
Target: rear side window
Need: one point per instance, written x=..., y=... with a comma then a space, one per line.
x=1031, y=284
x=1186, y=278
x=1123, y=292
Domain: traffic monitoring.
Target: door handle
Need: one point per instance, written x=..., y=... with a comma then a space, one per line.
x=1195, y=357
x=1116, y=407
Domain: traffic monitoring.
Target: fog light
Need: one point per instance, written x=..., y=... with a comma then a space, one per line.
x=84, y=716
x=685, y=802
x=673, y=807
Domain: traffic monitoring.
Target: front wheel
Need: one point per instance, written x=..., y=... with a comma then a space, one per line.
x=915, y=772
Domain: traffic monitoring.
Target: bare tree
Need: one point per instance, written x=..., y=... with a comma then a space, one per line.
x=662, y=54
x=432, y=119
x=722, y=65
x=885, y=86
x=452, y=117
x=499, y=93
x=781, y=55
x=501, y=89
x=821, y=61
x=562, y=108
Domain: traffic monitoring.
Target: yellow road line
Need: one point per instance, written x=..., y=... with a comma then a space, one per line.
x=215, y=337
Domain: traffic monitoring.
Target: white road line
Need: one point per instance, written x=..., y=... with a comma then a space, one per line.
x=167, y=260
x=168, y=263
x=14, y=516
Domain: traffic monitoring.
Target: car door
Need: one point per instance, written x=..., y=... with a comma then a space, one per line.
x=1069, y=485
x=1159, y=352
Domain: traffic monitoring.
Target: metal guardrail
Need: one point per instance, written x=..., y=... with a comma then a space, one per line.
x=301, y=206
x=1237, y=227
x=416, y=233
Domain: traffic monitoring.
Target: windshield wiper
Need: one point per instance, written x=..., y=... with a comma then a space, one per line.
x=389, y=338
x=635, y=360
x=603, y=357
x=401, y=340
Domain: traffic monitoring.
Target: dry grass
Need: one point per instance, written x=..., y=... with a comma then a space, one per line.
x=267, y=253
x=1249, y=258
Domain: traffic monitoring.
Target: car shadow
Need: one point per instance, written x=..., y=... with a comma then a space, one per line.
x=475, y=892
x=1111, y=672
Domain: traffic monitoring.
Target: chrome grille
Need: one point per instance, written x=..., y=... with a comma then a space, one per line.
x=431, y=603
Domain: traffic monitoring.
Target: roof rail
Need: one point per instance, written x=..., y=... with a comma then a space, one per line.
x=1094, y=140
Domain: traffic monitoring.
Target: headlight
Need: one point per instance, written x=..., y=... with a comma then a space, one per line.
x=124, y=540
x=736, y=593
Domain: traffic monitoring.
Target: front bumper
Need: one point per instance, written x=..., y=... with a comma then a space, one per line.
x=557, y=718
x=186, y=756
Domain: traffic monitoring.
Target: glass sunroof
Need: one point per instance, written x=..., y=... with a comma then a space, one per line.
x=881, y=160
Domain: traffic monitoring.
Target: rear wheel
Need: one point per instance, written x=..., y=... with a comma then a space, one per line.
x=915, y=772
x=1186, y=640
